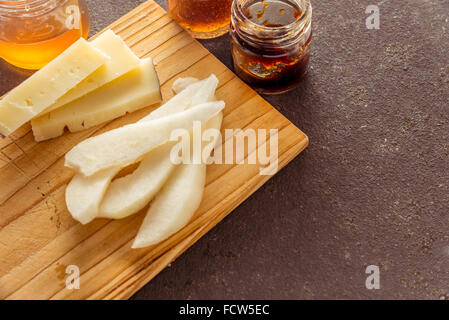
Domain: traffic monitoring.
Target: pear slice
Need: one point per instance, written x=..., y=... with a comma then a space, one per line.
x=182, y=83
x=83, y=194
x=177, y=202
x=126, y=145
x=92, y=189
x=174, y=206
x=126, y=196
x=197, y=93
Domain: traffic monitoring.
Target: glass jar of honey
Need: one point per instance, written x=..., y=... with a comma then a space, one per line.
x=204, y=19
x=270, y=42
x=34, y=32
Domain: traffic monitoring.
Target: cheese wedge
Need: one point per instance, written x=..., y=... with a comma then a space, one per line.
x=92, y=189
x=122, y=60
x=47, y=85
x=177, y=202
x=128, y=144
x=136, y=89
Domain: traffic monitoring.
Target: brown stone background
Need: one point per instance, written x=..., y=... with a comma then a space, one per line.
x=371, y=189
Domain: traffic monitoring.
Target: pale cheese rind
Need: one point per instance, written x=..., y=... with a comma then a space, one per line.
x=47, y=85
x=122, y=60
x=136, y=89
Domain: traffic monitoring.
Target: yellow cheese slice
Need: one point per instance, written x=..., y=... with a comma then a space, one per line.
x=136, y=89
x=122, y=60
x=47, y=85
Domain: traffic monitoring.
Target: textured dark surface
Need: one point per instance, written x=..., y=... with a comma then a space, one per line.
x=371, y=189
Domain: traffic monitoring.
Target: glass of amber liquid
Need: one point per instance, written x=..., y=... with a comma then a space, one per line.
x=204, y=19
x=34, y=32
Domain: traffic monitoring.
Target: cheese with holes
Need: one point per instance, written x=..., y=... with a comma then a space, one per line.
x=47, y=85
x=136, y=89
x=122, y=60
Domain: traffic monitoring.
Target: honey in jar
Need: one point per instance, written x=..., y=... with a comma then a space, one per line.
x=34, y=32
x=271, y=42
x=202, y=18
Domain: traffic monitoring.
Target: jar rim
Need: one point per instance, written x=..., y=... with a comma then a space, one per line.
x=292, y=25
x=29, y=7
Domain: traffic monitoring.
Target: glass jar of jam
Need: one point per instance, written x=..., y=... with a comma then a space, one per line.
x=34, y=32
x=204, y=19
x=270, y=42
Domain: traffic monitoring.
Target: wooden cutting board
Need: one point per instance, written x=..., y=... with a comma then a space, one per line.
x=38, y=237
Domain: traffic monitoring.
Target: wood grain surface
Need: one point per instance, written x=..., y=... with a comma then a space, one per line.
x=38, y=237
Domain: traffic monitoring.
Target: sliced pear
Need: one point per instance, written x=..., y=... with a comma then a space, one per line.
x=182, y=83
x=92, y=189
x=128, y=195
x=126, y=145
x=207, y=92
x=193, y=95
x=177, y=202
x=174, y=206
x=83, y=193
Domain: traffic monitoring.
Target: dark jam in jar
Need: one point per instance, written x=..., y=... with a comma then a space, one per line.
x=270, y=42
